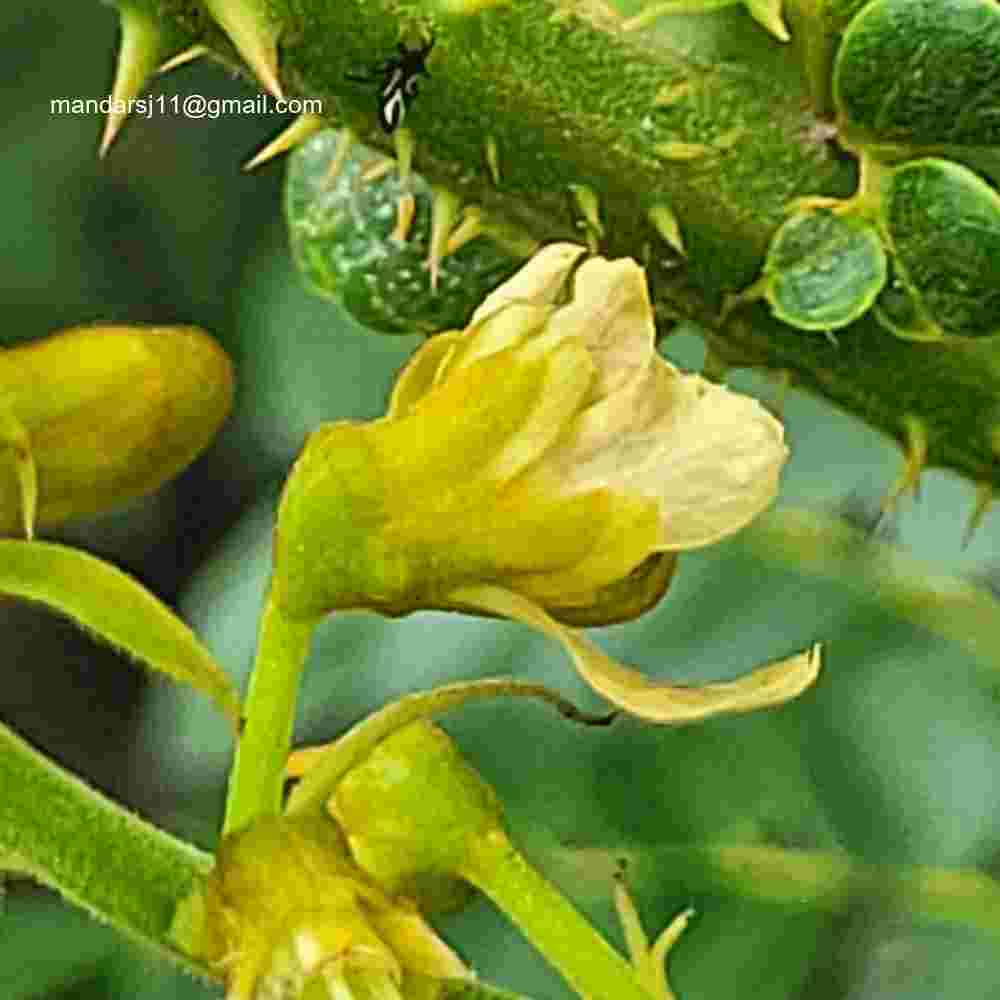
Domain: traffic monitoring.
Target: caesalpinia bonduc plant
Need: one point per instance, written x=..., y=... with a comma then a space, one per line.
x=544, y=464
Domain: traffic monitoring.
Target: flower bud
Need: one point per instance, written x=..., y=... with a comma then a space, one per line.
x=411, y=808
x=96, y=416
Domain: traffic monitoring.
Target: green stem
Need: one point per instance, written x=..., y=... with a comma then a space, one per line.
x=257, y=779
x=588, y=963
x=98, y=855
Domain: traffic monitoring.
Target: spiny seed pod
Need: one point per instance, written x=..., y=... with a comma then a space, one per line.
x=95, y=416
x=342, y=221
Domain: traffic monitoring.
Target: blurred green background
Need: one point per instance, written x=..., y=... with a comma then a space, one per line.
x=891, y=759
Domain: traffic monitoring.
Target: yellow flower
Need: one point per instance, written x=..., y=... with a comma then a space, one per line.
x=546, y=465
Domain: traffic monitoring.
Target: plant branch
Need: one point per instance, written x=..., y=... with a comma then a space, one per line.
x=98, y=855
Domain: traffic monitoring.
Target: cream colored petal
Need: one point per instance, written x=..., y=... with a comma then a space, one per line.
x=710, y=457
x=666, y=704
x=611, y=312
x=629, y=422
x=540, y=282
x=717, y=470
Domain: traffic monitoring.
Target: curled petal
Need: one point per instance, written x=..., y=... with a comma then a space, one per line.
x=667, y=704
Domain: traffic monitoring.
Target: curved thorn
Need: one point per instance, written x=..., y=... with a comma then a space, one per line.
x=468, y=229
x=297, y=132
x=444, y=211
x=984, y=500
x=254, y=35
x=493, y=159
x=665, y=223
x=141, y=49
x=184, y=56
x=915, y=460
x=406, y=207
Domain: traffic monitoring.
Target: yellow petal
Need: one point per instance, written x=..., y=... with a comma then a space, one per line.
x=420, y=373
x=667, y=704
x=487, y=421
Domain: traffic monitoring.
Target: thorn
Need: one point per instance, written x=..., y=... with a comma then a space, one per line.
x=665, y=223
x=184, y=56
x=297, y=132
x=832, y=339
x=141, y=49
x=915, y=452
x=374, y=170
x=493, y=159
x=589, y=206
x=784, y=380
x=405, y=145
x=444, y=211
x=714, y=368
x=731, y=301
x=254, y=35
x=468, y=229
x=406, y=207
x=984, y=500
x=767, y=13
x=347, y=139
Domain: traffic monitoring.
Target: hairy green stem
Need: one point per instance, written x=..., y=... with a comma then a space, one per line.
x=257, y=779
x=98, y=855
x=550, y=922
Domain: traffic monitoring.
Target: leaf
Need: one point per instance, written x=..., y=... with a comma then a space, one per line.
x=110, y=604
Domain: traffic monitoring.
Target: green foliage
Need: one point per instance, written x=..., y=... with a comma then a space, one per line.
x=341, y=231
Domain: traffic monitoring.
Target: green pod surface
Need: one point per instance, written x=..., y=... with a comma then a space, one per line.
x=921, y=73
x=340, y=229
x=823, y=271
x=943, y=223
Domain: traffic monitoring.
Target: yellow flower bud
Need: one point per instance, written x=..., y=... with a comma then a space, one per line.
x=546, y=461
x=94, y=416
x=286, y=913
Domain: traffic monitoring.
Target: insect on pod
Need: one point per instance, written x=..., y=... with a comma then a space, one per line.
x=399, y=79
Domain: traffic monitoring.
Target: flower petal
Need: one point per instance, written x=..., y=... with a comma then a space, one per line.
x=667, y=704
x=711, y=458
x=611, y=313
x=717, y=470
x=419, y=375
x=540, y=282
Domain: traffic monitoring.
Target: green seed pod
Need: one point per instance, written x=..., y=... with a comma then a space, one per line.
x=944, y=227
x=823, y=271
x=919, y=73
x=341, y=227
x=95, y=416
